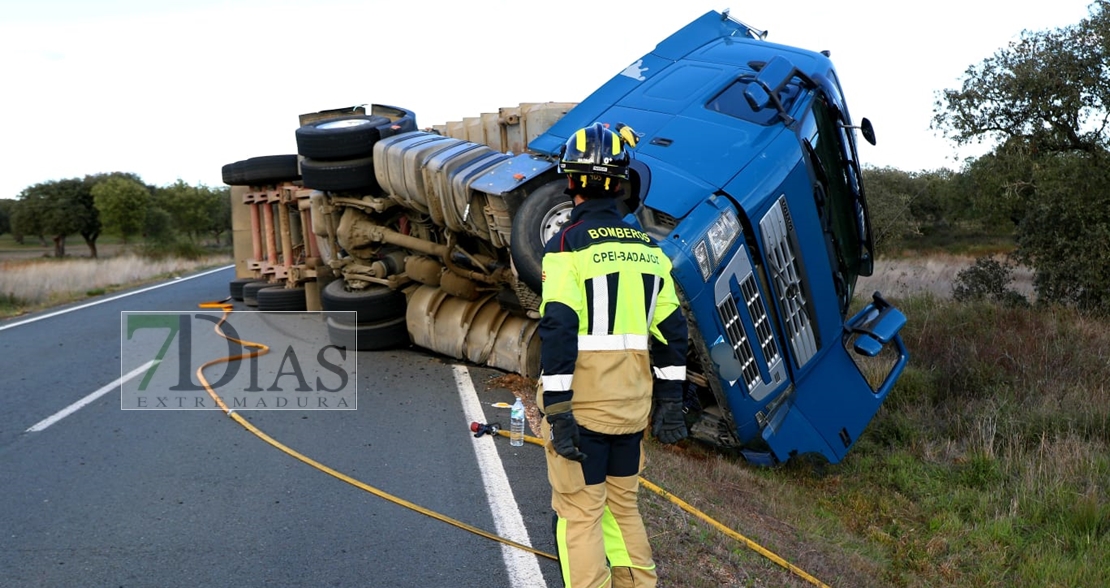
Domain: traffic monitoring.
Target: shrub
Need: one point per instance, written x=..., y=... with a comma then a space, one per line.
x=988, y=279
x=174, y=249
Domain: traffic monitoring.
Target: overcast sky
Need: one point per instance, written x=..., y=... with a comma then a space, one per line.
x=175, y=89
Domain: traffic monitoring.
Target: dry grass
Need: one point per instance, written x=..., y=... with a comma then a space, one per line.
x=775, y=510
x=935, y=274
x=28, y=284
x=996, y=439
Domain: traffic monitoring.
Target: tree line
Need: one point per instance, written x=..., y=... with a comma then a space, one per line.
x=116, y=203
x=1044, y=101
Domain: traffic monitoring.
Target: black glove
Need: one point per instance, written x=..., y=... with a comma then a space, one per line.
x=668, y=424
x=564, y=436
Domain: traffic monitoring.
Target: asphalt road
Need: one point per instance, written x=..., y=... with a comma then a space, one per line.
x=107, y=497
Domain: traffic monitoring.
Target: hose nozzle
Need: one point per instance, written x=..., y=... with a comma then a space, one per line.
x=480, y=429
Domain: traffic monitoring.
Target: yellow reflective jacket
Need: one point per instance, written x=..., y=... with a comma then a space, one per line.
x=609, y=312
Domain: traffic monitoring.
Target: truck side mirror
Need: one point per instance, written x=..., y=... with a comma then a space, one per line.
x=878, y=328
x=771, y=80
x=865, y=129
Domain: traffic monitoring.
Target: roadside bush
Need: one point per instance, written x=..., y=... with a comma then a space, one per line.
x=9, y=300
x=987, y=280
x=174, y=248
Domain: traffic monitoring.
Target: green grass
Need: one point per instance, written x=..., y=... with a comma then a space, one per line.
x=988, y=466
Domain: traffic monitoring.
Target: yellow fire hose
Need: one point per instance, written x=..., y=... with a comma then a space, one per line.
x=261, y=349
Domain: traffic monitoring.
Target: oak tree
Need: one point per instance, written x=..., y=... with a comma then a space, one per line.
x=56, y=208
x=122, y=203
x=1044, y=101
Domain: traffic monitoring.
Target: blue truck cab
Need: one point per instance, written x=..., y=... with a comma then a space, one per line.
x=747, y=175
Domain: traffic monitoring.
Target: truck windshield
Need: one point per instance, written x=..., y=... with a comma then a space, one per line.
x=839, y=199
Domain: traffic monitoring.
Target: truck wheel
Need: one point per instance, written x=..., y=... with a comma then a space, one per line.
x=372, y=337
x=354, y=175
x=340, y=138
x=374, y=304
x=236, y=287
x=281, y=298
x=250, y=292
x=539, y=217
x=264, y=170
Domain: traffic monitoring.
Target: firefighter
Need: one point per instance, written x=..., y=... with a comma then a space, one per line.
x=609, y=312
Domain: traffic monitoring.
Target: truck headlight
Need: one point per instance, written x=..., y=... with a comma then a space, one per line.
x=720, y=236
x=722, y=233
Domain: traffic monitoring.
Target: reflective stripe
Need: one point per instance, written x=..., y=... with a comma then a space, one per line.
x=615, y=549
x=580, y=140
x=612, y=342
x=600, y=304
x=562, y=548
x=671, y=372
x=557, y=382
x=656, y=281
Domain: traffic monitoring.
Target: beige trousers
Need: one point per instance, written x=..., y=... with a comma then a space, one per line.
x=601, y=538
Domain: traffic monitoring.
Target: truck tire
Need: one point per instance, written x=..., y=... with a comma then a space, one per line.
x=349, y=175
x=250, y=292
x=371, y=337
x=539, y=217
x=260, y=171
x=278, y=297
x=372, y=305
x=340, y=138
x=236, y=287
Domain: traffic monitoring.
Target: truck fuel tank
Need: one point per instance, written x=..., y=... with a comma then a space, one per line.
x=480, y=330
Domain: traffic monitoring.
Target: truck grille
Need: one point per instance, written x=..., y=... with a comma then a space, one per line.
x=758, y=313
x=747, y=322
x=780, y=245
x=730, y=318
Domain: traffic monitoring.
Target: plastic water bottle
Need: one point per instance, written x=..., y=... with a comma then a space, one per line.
x=516, y=424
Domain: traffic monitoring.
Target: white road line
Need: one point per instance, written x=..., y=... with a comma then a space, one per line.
x=523, y=567
x=61, y=414
x=116, y=297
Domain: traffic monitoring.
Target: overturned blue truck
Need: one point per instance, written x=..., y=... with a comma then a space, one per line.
x=746, y=173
